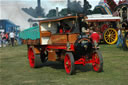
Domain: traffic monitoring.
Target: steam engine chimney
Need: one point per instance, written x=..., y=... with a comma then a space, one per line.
x=38, y=8
x=38, y=3
x=57, y=14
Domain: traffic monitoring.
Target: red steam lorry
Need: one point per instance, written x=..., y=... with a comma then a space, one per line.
x=61, y=39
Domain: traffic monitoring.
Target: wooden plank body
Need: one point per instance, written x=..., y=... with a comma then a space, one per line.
x=58, y=39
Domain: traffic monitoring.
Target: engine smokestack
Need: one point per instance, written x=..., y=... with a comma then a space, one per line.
x=57, y=14
x=39, y=5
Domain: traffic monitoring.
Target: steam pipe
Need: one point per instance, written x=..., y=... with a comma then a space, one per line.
x=38, y=3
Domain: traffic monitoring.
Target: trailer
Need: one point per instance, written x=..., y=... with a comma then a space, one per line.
x=54, y=44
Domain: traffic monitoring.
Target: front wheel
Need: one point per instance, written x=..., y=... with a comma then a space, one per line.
x=69, y=63
x=97, y=61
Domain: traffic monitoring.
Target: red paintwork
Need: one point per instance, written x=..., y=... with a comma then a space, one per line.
x=104, y=20
x=67, y=63
x=61, y=30
x=72, y=47
x=31, y=57
x=122, y=1
x=83, y=61
x=112, y=4
x=64, y=47
x=67, y=31
x=94, y=60
x=104, y=27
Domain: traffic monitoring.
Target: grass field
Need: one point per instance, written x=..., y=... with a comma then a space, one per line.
x=15, y=70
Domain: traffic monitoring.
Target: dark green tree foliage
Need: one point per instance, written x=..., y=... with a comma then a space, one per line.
x=99, y=10
x=74, y=7
x=51, y=13
x=63, y=12
x=87, y=7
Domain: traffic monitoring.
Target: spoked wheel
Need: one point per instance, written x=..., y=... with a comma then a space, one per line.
x=69, y=63
x=34, y=59
x=97, y=61
x=126, y=43
x=44, y=56
x=126, y=40
x=110, y=36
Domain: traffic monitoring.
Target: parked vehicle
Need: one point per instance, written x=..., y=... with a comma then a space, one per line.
x=126, y=40
x=73, y=47
x=107, y=25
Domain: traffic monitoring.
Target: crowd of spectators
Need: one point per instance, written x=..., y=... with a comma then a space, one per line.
x=7, y=39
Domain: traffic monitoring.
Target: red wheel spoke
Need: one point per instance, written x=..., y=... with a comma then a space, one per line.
x=96, y=62
x=69, y=63
x=31, y=58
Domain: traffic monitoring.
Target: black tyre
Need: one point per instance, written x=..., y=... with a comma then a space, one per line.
x=97, y=61
x=34, y=59
x=44, y=56
x=69, y=63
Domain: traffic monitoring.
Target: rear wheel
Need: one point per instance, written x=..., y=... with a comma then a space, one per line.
x=97, y=61
x=44, y=56
x=34, y=59
x=69, y=63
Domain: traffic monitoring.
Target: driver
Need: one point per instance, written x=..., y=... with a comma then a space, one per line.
x=67, y=28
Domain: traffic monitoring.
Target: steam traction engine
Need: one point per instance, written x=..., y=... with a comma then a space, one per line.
x=72, y=47
x=121, y=9
x=117, y=17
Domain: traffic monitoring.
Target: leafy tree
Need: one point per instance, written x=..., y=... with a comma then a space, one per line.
x=99, y=10
x=74, y=7
x=63, y=12
x=51, y=13
x=87, y=7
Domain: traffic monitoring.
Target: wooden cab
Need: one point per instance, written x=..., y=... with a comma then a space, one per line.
x=49, y=30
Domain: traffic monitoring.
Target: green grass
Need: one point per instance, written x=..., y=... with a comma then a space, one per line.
x=15, y=70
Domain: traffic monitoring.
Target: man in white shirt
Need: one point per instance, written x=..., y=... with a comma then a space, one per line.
x=12, y=37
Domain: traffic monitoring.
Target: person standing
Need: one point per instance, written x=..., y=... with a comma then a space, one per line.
x=95, y=38
x=6, y=35
x=0, y=40
x=4, y=39
x=120, y=38
x=12, y=37
x=82, y=24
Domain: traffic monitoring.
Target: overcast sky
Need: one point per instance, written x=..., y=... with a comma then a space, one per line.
x=11, y=9
x=49, y=4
